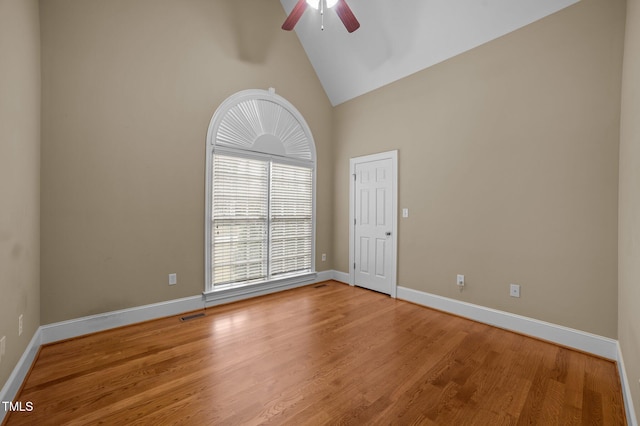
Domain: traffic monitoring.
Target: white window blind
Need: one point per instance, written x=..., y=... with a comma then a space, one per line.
x=262, y=220
x=240, y=220
x=291, y=219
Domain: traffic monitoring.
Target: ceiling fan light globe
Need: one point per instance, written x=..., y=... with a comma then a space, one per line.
x=316, y=3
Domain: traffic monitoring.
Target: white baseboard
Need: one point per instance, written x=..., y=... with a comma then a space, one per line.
x=101, y=322
x=19, y=373
x=626, y=390
x=343, y=277
x=325, y=276
x=577, y=339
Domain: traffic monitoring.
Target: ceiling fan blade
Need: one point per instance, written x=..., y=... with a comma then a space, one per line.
x=295, y=15
x=346, y=16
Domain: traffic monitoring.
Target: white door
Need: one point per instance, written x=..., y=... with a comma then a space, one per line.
x=374, y=224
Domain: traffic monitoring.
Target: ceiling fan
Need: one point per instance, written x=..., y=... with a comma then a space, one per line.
x=342, y=10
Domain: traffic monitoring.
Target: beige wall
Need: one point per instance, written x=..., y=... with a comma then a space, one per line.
x=629, y=215
x=508, y=164
x=19, y=177
x=129, y=88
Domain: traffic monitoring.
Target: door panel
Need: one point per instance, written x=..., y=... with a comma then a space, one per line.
x=364, y=255
x=373, y=227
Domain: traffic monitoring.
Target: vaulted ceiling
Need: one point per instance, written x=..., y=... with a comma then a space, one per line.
x=400, y=37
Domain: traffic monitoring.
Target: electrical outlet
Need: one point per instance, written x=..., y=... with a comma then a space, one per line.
x=324, y=257
x=173, y=279
x=20, y=325
x=460, y=280
x=514, y=290
x=3, y=343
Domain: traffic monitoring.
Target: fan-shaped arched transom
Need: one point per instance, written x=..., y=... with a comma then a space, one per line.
x=261, y=121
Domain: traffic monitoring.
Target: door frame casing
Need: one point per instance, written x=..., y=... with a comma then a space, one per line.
x=393, y=156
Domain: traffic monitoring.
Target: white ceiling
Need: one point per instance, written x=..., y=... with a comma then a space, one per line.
x=400, y=37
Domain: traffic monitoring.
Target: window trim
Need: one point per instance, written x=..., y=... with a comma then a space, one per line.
x=221, y=295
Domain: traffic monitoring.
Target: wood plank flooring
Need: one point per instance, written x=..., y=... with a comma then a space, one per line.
x=328, y=355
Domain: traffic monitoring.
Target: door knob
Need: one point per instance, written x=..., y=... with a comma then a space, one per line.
x=388, y=234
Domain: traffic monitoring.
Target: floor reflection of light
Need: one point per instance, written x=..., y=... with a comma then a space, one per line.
x=229, y=321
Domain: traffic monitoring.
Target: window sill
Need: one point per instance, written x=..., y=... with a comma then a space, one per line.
x=227, y=295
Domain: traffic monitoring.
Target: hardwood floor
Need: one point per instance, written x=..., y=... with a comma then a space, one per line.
x=329, y=355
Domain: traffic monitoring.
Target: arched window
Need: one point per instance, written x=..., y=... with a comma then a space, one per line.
x=260, y=195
